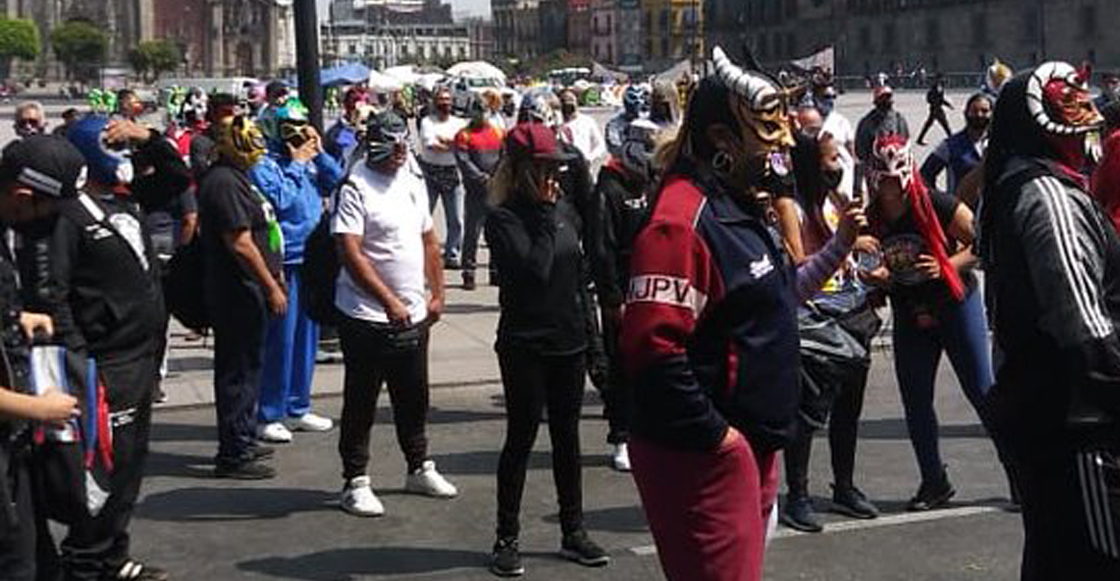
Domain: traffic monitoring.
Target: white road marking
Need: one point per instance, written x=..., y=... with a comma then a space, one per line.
x=857, y=525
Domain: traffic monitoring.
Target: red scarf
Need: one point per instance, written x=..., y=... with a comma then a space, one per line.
x=934, y=235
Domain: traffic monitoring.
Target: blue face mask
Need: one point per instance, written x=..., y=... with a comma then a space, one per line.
x=825, y=105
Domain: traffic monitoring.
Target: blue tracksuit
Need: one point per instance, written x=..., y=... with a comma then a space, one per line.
x=296, y=191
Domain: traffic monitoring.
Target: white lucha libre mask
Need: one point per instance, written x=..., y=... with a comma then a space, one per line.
x=891, y=158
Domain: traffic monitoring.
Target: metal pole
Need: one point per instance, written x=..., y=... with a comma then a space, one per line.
x=307, y=59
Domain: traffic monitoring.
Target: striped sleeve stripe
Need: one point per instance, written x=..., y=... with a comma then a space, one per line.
x=1094, y=495
x=1073, y=257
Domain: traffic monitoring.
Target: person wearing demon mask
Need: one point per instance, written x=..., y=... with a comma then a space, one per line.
x=926, y=239
x=1052, y=276
x=709, y=332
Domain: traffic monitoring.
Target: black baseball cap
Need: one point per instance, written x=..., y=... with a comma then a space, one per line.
x=49, y=165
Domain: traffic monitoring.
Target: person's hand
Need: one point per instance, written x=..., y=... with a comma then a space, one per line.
x=55, y=407
x=124, y=130
x=851, y=223
x=32, y=322
x=278, y=301
x=928, y=266
x=880, y=277
x=435, y=308
x=549, y=191
x=314, y=139
x=730, y=437
x=866, y=243
x=398, y=313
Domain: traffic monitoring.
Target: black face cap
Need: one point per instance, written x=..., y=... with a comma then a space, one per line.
x=50, y=166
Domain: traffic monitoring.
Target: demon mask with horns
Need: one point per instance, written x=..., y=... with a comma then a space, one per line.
x=1058, y=100
x=737, y=124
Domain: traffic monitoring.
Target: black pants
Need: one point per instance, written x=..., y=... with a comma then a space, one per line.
x=618, y=397
x=18, y=522
x=935, y=114
x=371, y=359
x=843, y=432
x=240, y=320
x=1055, y=485
x=531, y=381
x=98, y=546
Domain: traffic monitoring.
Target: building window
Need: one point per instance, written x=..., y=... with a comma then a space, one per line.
x=791, y=45
x=890, y=37
x=664, y=46
x=1030, y=26
x=663, y=20
x=980, y=29
x=933, y=33
x=1088, y=20
x=865, y=39
x=609, y=24
x=649, y=46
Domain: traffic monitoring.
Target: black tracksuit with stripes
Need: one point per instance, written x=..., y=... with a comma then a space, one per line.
x=1052, y=262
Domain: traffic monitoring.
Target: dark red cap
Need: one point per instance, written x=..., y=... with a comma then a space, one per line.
x=535, y=140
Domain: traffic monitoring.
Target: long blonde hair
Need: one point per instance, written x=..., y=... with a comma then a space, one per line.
x=514, y=178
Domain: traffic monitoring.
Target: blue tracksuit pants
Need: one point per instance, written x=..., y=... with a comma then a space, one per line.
x=289, y=357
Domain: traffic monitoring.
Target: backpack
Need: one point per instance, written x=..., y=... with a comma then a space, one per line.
x=184, y=289
x=320, y=269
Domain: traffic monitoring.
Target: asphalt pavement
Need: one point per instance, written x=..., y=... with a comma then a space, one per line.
x=292, y=528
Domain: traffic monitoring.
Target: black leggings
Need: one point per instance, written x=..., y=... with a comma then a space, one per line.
x=531, y=381
x=843, y=432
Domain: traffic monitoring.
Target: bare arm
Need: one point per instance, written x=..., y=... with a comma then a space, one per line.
x=790, y=228
x=433, y=271
x=962, y=231
x=240, y=242
x=52, y=407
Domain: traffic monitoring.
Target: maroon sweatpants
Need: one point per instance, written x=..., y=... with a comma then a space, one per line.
x=707, y=510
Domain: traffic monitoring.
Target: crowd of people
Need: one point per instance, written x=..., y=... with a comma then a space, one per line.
x=715, y=269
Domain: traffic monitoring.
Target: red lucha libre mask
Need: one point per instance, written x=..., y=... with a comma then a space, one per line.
x=891, y=158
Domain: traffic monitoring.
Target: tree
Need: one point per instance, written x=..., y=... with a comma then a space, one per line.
x=80, y=46
x=18, y=39
x=152, y=58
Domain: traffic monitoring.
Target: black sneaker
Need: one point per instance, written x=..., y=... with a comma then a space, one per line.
x=133, y=571
x=247, y=470
x=505, y=560
x=468, y=280
x=850, y=501
x=261, y=453
x=580, y=548
x=798, y=515
x=493, y=278
x=932, y=495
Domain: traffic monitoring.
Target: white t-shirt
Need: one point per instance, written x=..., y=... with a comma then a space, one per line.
x=391, y=215
x=431, y=129
x=584, y=133
x=841, y=130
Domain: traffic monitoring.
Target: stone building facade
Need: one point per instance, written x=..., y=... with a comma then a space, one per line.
x=951, y=36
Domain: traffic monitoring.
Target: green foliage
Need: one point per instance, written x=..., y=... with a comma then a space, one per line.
x=155, y=57
x=80, y=46
x=18, y=39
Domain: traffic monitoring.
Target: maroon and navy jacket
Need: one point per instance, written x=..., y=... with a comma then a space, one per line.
x=709, y=333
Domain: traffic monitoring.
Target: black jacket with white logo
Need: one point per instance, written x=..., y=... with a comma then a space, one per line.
x=106, y=280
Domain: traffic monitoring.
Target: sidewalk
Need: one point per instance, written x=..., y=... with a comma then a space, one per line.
x=462, y=350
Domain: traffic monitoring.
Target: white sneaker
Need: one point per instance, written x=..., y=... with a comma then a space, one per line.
x=428, y=482
x=310, y=422
x=275, y=432
x=358, y=498
x=620, y=459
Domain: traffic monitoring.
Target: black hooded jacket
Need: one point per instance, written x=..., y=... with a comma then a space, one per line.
x=1052, y=266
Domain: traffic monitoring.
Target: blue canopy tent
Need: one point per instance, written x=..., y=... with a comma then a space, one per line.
x=345, y=74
